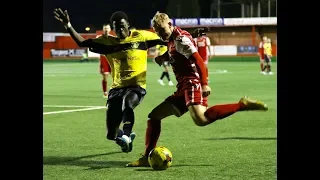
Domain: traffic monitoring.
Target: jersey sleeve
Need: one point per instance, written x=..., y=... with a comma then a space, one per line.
x=102, y=45
x=148, y=35
x=260, y=45
x=208, y=41
x=195, y=40
x=93, y=42
x=185, y=46
x=100, y=39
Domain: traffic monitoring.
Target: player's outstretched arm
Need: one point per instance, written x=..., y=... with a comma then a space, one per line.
x=152, y=39
x=152, y=43
x=100, y=48
x=64, y=18
x=95, y=46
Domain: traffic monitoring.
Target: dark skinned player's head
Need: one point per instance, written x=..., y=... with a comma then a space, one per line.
x=120, y=24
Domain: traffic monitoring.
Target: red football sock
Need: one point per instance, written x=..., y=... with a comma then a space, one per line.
x=104, y=86
x=221, y=111
x=152, y=135
x=207, y=72
x=261, y=66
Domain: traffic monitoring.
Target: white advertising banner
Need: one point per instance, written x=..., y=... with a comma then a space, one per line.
x=250, y=21
x=225, y=50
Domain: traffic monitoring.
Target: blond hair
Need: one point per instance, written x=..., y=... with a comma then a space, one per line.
x=265, y=37
x=159, y=18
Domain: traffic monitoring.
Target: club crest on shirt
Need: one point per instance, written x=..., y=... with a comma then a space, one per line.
x=134, y=45
x=135, y=34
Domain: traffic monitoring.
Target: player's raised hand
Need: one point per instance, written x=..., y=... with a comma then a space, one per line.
x=206, y=90
x=61, y=16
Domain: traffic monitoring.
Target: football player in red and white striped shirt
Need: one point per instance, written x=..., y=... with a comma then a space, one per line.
x=105, y=69
x=192, y=88
x=261, y=53
x=203, y=45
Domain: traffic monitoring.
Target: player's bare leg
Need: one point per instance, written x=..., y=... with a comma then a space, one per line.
x=160, y=112
x=262, y=66
x=104, y=84
x=203, y=116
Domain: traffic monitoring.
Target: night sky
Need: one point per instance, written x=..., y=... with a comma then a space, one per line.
x=96, y=12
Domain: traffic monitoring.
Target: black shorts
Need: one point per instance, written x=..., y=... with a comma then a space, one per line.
x=116, y=105
x=266, y=59
x=116, y=95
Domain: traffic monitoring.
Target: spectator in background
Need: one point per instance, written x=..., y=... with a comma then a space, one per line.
x=84, y=56
x=160, y=50
x=203, y=45
x=105, y=69
x=261, y=54
x=267, y=50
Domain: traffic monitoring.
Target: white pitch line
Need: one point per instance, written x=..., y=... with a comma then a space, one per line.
x=71, y=106
x=73, y=110
x=94, y=74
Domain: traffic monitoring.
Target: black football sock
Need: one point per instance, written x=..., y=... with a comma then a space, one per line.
x=128, y=120
x=130, y=102
x=167, y=75
x=264, y=68
x=162, y=75
x=269, y=68
x=113, y=120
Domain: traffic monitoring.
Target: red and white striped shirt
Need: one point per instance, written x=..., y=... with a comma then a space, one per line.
x=181, y=49
x=202, y=43
x=261, y=51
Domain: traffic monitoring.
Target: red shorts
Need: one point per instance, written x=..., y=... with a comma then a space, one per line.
x=190, y=94
x=261, y=54
x=104, y=65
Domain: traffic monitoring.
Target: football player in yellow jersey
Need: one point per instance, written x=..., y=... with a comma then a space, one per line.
x=160, y=50
x=128, y=69
x=267, y=49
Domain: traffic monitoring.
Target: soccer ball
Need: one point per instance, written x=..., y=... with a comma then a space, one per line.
x=160, y=158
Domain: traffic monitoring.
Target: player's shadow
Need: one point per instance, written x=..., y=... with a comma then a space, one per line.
x=79, y=161
x=174, y=166
x=244, y=138
x=67, y=95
